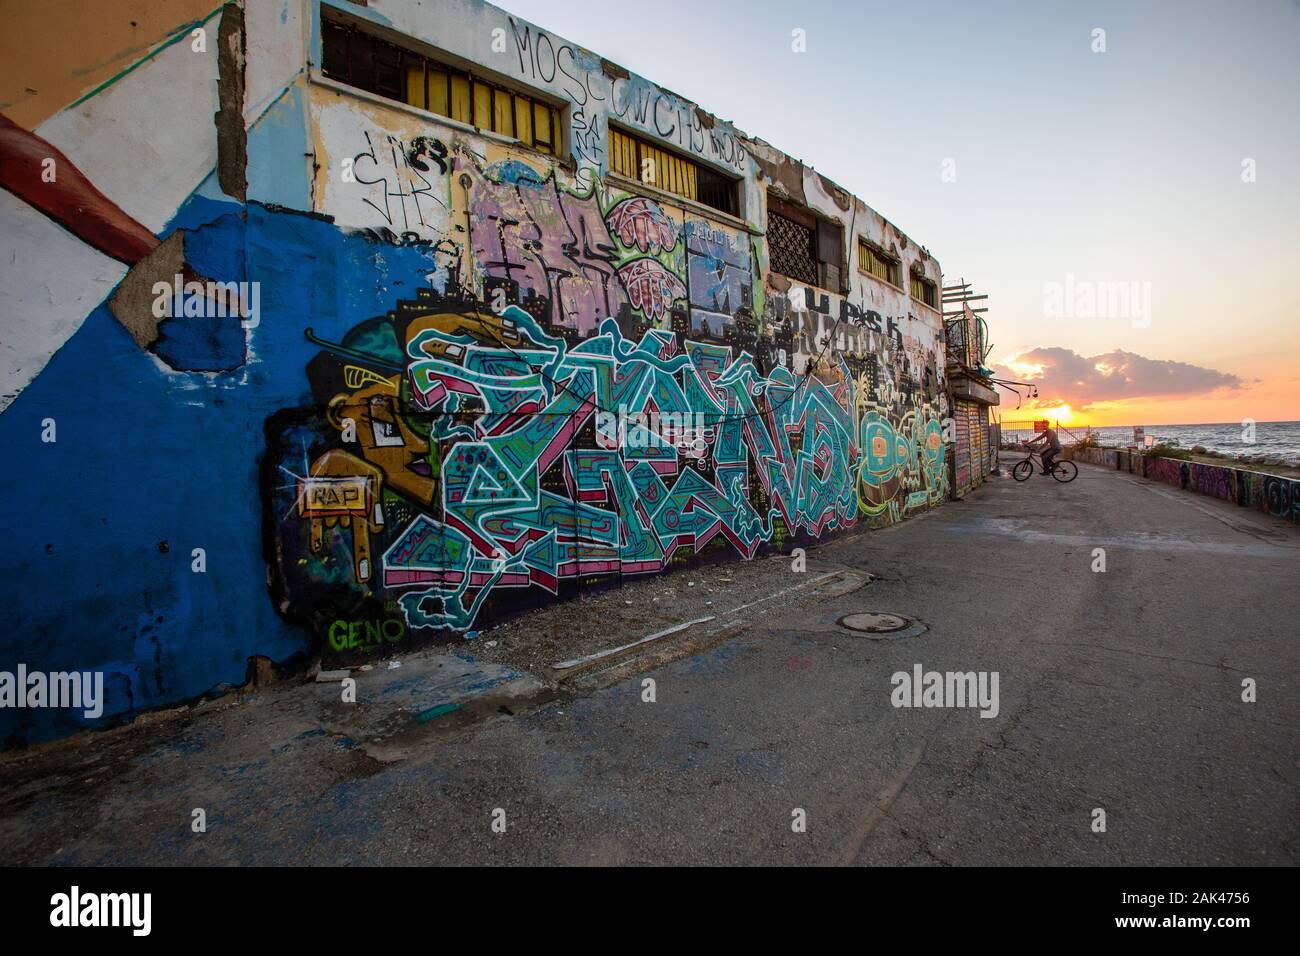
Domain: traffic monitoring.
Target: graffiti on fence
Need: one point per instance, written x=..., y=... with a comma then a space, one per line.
x=1273, y=494
x=1279, y=497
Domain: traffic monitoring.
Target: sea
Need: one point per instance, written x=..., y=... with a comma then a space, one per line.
x=1273, y=441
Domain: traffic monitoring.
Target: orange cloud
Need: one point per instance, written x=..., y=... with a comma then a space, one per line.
x=1085, y=383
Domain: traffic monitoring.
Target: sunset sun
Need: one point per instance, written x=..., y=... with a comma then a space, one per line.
x=1059, y=413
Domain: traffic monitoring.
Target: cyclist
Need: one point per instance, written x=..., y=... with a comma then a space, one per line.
x=1051, y=446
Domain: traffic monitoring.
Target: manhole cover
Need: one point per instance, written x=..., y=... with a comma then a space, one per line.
x=873, y=622
x=881, y=625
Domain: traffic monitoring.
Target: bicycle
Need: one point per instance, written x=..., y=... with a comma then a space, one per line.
x=1062, y=471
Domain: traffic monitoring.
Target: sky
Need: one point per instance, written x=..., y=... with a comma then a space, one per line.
x=1128, y=200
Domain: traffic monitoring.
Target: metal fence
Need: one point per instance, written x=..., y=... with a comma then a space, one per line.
x=1022, y=430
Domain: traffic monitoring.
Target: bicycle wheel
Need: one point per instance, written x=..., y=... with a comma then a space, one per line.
x=1022, y=470
x=1065, y=471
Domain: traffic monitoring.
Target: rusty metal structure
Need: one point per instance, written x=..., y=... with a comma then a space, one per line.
x=970, y=387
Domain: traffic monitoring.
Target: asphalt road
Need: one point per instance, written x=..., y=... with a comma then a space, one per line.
x=1118, y=690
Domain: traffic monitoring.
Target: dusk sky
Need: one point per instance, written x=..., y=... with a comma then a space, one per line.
x=1073, y=169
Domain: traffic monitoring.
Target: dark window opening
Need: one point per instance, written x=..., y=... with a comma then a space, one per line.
x=925, y=290
x=635, y=158
x=385, y=69
x=879, y=263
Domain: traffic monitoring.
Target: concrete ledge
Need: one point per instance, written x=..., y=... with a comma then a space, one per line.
x=973, y=390
x=1271, y=494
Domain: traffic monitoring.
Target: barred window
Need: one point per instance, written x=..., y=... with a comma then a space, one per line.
x=790, y=248
x=635, y=158
x=377, y=66
x=805, y=246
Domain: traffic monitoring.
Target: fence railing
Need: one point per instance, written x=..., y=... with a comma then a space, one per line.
x=1018, y=431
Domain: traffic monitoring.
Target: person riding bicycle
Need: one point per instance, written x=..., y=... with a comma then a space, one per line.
x=1051, y=446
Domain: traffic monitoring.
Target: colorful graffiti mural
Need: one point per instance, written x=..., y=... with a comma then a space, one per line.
x=1274, y=495
x=494, y=441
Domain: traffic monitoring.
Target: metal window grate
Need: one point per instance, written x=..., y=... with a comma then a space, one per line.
x=790, y=248
x=957, y=342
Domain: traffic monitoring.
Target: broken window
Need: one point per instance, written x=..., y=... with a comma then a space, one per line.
x=830, y=256
x=924, y=290
x=634, y=158
x=877, y=262
x=358, y=59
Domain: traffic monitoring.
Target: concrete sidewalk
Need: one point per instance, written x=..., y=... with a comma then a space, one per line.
x=1119, y=690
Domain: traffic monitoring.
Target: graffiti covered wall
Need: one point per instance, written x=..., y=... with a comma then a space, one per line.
x=585, y=384
x=1272, y=494
x=477, y=379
